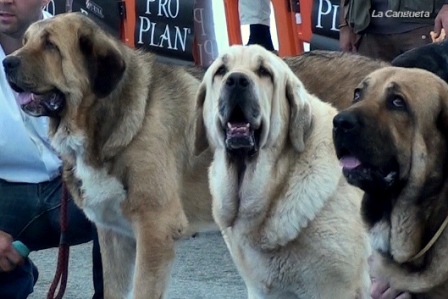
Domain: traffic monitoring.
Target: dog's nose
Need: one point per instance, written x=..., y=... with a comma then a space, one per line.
x=345, y=121
x=237, y=80
x=10, y=63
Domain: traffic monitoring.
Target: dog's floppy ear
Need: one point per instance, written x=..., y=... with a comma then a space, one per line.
x=200, y=135
x=300, y=112
x=104, y=62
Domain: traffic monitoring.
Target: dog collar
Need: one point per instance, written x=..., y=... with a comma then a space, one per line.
x=431, y=242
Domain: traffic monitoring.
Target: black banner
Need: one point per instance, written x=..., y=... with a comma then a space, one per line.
x=325, y=18
x=56, y=7
x=165, y=27
x=106, y=13
x=204, y=32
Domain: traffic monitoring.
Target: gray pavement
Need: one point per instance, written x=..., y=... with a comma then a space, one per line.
x=203, y=270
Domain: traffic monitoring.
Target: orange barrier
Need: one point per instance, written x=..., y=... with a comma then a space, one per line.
x=304, y=30
x=233, y=22
x=128, y=26
x=288, y=40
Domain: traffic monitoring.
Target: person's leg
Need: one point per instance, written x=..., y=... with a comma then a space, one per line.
x=19, y=204
x=413, y=39
x=97, y=269
x=79, y=229
x=31, y=214
x=257, y=14
x=19, y=283
x=378, y=46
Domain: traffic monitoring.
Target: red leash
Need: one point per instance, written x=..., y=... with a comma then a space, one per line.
x=60, y=277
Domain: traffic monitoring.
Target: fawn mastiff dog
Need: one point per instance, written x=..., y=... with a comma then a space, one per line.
x=290, y=220
x=392, y=143
x=122, y=125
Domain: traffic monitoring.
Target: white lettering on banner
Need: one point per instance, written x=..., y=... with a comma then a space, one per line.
x=165, y=40
x=163, y=10
x=95, y=8
x=199, y=19
x=162, y=6
x=207, y=50
x=148, y=6
x=329, y=8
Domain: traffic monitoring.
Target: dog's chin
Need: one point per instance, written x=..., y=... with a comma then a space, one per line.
x=242, y=139
x=369, y=178
x=42, y=104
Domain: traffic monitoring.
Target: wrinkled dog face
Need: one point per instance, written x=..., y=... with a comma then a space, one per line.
x=395, y=130
x=35, y=71
x=239, y=106
x=61, y=60
x=244, y=95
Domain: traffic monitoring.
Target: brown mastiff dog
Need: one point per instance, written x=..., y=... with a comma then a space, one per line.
x=122, y=124
x=392, y=143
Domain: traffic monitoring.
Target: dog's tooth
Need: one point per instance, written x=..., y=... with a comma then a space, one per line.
x=229, y=125
x=248, y=125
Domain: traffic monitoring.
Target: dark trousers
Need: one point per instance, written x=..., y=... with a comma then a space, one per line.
x=31, y=213
x=388, y=46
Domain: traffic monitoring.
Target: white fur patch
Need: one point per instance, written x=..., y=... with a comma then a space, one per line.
x=380, y=236
x=102, y=193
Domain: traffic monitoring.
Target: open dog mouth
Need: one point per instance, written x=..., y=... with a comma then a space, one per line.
x=42, y=104
x=368, y=177
x=241, y=135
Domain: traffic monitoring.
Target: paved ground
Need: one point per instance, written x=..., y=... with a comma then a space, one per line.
x=203, y=270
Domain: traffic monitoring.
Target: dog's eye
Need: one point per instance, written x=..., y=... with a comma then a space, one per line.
x=221, y=71
x=50, y=45
x=356, y=95
x=397, y=102
x=263, y=72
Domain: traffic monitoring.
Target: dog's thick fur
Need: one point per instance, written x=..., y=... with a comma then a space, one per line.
x=289, y=218
x=394, y=144
x=122, y=125
x=431, y=57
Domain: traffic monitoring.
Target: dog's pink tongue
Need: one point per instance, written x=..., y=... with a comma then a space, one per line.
x=24, y=98
x=349, y=162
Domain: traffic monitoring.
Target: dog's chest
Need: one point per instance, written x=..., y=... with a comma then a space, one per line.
x=102, y=193
x=380, y=236
x=262, y=272
x=247, y=259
